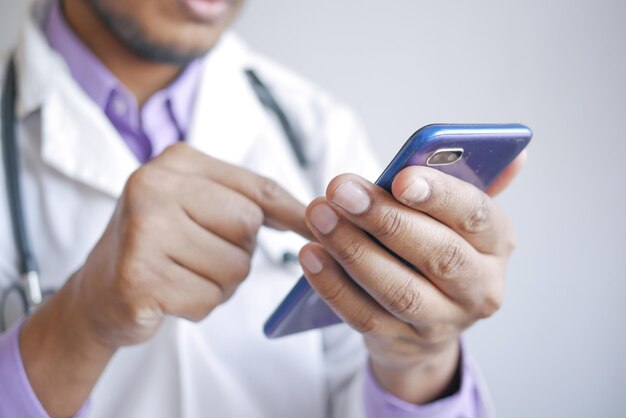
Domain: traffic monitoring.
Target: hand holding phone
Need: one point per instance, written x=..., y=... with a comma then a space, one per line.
x=476, y=154
x=414, y=260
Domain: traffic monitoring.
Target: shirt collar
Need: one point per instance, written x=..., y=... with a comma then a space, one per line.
x=176, y=101
x=178, y=97
x=77, y=139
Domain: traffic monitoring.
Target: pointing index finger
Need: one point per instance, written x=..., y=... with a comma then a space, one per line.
x=281, y=210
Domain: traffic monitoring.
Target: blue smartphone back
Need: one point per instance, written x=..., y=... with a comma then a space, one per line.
x=486, y=151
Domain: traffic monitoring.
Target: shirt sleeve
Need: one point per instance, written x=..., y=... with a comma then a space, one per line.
x=17, y=398
x=468, y=402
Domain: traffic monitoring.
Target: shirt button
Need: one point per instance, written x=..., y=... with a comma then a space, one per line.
x=119, y=106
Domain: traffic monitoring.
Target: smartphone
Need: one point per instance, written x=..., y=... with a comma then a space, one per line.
x=473, y=153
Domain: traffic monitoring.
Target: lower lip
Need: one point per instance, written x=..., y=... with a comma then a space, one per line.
x=206, y=10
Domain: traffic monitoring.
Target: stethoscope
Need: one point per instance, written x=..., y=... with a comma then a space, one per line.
x=28, y=287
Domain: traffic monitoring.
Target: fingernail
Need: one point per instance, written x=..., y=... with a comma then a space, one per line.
x=352, y=197
x=324, y=218
x=416, y=192
x=311, y=262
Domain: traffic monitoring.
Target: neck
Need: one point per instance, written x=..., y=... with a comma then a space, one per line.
x=142, y=77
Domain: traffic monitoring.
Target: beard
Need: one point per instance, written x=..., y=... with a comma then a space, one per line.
x=130, y=33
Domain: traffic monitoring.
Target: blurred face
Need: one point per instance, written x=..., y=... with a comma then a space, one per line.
x=167, y=31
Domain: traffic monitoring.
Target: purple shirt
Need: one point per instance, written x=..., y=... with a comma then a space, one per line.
x=162, y=121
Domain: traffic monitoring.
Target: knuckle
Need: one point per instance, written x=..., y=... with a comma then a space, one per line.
x=405, y=300
x=335, y=295
x=175, y=150
x=449, y=260
x=136, y=179
x=352, y=253
x=268, y=189
x=478, y=218
x=145, y=184
x=491, y=303
x=390, y=224
x=447, y=198
x=250, y=217
x=240, y=265
x=368, y=323
x=139, y=180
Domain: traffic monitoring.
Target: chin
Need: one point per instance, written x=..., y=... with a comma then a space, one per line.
x=167, y=31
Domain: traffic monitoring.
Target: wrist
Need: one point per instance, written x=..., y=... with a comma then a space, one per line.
x=433, y=378
x=63, y=323
x=62, y=355
x=89, y=314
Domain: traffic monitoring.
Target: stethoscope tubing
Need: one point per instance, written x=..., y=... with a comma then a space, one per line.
x=28, y=268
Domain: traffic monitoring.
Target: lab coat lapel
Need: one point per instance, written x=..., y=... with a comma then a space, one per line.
x=228, y=117
x=80, y=142
x=76, y=137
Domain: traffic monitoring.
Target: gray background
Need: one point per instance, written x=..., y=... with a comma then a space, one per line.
x=558, y=347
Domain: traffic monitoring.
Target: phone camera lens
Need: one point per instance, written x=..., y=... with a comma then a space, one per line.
x=445, y=157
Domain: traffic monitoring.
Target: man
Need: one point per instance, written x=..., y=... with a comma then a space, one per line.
x=151, y=172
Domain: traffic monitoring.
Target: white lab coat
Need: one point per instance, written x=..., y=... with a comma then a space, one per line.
x=74, y=166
